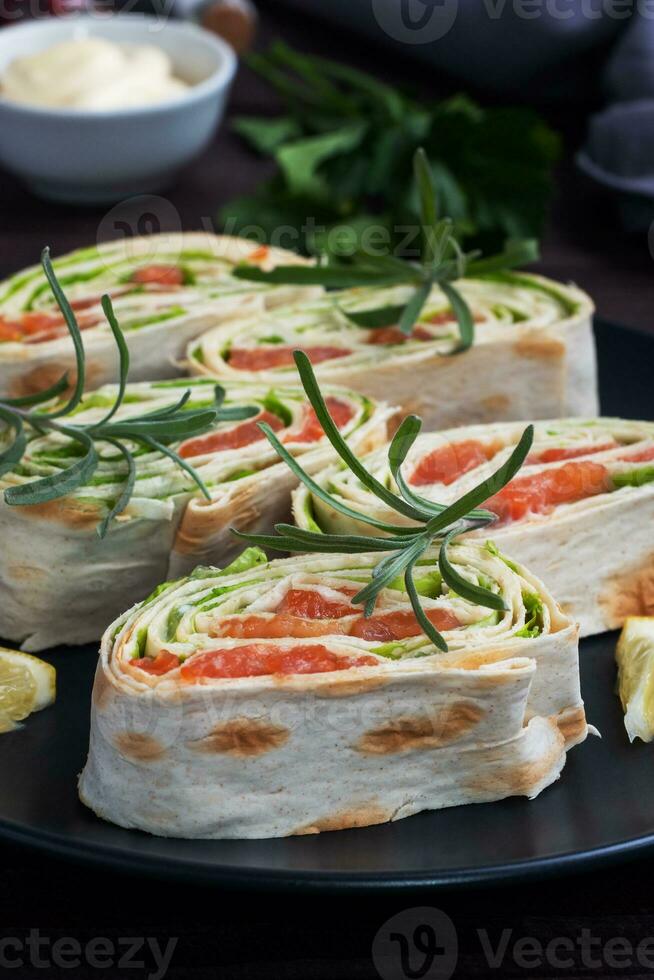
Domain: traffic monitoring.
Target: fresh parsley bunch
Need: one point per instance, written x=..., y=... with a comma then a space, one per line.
x=344, y=147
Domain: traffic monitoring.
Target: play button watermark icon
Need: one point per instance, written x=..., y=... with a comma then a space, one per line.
x=415, y=21
x=416, y=944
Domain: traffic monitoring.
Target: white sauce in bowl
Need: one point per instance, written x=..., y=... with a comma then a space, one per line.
x=93, y=74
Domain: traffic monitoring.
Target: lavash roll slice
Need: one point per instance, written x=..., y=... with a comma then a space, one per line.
x=62, y=583
x=580, y=513
x=248, y=702
x=533, y=354
x=166, y=289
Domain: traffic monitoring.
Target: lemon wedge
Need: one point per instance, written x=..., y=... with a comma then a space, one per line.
x=635, y=659
x=27, y=684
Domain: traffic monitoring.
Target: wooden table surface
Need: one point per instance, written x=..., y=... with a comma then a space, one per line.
x=258, y=936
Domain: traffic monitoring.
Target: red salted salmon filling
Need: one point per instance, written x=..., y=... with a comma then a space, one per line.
x=311, y=430
x=241, y=435
x=571, y=452
x=278, y=627
x=88, y=301
x=447, y=316
x=304, y=612
x=257, y=659
x=401, y=625
x=393, y=335
x=300, y=614
x=314, y=605
x=540, y=493
x=34, y=328
x=158, y=275
x=447, y=464
x=161, y=664
x=248, y=432
x=641, y=456
x=262, y=358
x=258, y=255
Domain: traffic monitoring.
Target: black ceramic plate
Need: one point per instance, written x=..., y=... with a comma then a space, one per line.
x=601, y=809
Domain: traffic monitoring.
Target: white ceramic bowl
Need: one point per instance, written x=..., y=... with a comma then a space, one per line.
x=88, y=156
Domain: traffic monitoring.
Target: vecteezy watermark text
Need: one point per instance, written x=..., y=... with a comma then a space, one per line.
x=99, y=10
x=422, y=944
x=565, y=952
x=427, y=21
x=40, y=952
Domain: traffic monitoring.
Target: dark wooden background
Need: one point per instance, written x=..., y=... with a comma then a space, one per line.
x=583, y=243
x=247, y=937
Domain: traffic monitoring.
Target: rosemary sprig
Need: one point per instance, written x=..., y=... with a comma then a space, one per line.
x=47, y=411
x=402, y=546
x=442, y=263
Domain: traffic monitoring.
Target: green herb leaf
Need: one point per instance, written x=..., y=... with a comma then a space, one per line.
x=315, y=488
x=14, y=452
x=167, y=429
x=427, y=195
x=516, y=253
x=59, y=484
x=461, y=585
x=314, y=395
x=75, y=333
x=264, y=134
x=403, y=440
x=287, y=538
x=300, y=160
x=428, y=627
x=237, y=413
x=387, y=571
x=126, y=493
x=39, y=397
x=383, y=316
x=123, y=354
x=462, y=314
x=414, y=308
x=162, y=413
x=330, y=276
x=487, y=488
x=183, y=464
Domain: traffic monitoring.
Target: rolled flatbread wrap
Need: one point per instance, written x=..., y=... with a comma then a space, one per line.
x=61, y=583
x=533, y=354
x=580, y=513
x=166, y=289
x=257, y=701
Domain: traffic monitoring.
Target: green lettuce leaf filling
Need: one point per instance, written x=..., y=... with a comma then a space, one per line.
x=534, y=623
x=634, y=478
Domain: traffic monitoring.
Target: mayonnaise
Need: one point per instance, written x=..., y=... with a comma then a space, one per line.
x=92, y=73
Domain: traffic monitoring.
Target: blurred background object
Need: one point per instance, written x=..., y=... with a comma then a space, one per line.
x=495, y=44
x=233, y=20
x=619, y=151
